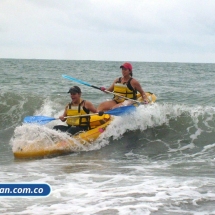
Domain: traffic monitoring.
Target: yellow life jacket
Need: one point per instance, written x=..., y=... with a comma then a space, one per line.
x=124, y=89
x=77, y=111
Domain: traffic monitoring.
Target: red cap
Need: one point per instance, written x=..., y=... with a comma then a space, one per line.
x=126, y=66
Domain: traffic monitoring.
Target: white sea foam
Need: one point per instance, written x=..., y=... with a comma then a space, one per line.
x=91, y=192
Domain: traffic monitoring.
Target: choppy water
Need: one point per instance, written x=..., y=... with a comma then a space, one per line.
x=158, y=161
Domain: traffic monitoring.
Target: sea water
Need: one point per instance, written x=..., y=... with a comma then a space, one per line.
x=158, y=160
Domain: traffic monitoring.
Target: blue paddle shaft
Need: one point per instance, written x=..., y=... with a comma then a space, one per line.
x=79, y=81
x=89, y=85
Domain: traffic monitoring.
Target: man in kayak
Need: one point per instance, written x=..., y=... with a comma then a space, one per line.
x=76, y=107
x=126, y=86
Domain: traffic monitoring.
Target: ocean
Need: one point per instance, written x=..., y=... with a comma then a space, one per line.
x=160, y=160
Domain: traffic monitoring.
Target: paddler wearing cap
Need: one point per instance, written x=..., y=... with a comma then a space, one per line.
x=126, y=86
x=76, y=107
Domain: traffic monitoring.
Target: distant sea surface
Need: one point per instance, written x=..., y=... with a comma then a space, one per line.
x=159, y=161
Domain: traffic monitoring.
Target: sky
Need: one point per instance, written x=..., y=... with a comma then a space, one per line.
x=108, y=30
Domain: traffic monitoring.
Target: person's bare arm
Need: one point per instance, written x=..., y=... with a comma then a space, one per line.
x=90, y=107
x=62, y=117
x=136, y=85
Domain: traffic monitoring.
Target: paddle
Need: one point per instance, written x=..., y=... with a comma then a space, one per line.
x=98, y=88
x=41, y=120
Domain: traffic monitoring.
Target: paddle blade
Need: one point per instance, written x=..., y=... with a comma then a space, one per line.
x=121, y=110
x=38, y=119
x=76, y=80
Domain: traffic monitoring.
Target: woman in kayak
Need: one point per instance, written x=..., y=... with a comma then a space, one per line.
x=76, y=107
x=126, y=86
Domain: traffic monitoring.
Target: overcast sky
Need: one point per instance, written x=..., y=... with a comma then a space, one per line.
x=110, y=30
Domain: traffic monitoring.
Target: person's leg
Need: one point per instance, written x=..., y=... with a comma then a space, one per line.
x=73, y=130
x=62, y=128
x=125, y=103
x=107, y=105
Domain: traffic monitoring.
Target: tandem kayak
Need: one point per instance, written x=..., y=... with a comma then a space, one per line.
x=37, y=149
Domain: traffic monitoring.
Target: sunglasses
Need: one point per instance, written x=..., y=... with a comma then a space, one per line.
x=73, y=93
